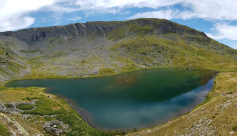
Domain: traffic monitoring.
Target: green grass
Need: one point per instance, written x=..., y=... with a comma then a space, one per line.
x=106, y=71
x=25, y=107
x=116, y=34
x=44, y=107
x=32, y=98
x=48, y=118
x=30, y=51
x=4, y=131
x=142, y=30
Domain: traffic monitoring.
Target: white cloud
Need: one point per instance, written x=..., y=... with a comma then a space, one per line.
x=206, y=9
x=13, y=13
x=165, y=14
x=108, y=4
x=214, y=9
x=16, y=23
x=75, y=18
x=224, y=31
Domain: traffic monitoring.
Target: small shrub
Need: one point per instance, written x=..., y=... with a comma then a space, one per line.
x=52, y=40
x=47, y=118
x=134, y=129
x=234, y=128
x=43, y=107
x=59, y=126
x=8, y=105
x=32, y=98
x=2, y=88
x=60, y=40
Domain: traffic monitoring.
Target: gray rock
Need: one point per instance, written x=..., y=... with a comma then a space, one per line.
x=53, y=127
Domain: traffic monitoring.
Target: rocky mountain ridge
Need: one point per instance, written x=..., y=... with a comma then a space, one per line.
x=101, y=29
x=105, y=48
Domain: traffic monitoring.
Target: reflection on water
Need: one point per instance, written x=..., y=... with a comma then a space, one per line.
x=137, y=99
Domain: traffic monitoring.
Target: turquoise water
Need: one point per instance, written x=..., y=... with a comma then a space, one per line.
x=131, y=100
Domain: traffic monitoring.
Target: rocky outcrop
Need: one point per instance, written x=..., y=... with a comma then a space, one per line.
x=12, y=107
x=55, y=127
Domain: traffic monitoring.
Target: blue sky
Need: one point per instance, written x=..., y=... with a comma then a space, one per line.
x=217, y=18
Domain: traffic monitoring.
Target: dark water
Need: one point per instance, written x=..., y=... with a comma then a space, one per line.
x=138, y=99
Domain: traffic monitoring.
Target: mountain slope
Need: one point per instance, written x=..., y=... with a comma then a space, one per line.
x=106, y=48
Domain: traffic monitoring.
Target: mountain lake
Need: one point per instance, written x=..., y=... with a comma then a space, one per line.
x=137, y=99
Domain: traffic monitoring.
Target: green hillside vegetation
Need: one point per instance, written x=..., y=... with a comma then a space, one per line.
x=4, y=131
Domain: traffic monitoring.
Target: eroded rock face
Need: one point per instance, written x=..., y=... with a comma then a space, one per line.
x=55, y=127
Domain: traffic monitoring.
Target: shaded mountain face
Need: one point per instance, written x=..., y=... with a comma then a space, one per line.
x=105, y=48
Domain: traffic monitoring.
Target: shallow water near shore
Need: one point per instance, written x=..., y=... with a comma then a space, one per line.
x=132, y=100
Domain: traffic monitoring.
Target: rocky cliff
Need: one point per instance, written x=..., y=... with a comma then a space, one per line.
x=105, y=48
x=101, y=29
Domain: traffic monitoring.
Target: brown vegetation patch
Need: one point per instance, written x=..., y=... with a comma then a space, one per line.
x=56, y=108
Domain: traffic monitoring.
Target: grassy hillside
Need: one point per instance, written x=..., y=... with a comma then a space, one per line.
x=107, y=48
